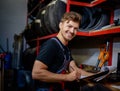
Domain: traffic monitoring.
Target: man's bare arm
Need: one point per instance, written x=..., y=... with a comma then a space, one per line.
x=41, y=73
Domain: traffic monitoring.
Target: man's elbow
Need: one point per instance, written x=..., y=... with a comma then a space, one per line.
x=33, y=75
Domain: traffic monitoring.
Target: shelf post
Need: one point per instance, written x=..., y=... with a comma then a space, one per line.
x=68, y=6
x=37, y=48
x=110, y=53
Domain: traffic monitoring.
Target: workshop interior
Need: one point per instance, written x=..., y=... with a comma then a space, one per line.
x=26, y=24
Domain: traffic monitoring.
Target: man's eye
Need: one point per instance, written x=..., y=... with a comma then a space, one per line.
x=76, y=29
x=69, y=26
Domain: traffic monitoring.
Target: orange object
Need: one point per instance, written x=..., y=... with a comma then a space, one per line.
x=104, y=55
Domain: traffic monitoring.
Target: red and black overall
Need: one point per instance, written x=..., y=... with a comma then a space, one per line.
x=61, y=70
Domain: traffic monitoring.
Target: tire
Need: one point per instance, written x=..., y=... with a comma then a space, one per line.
x=53, y=25
x=59, y=10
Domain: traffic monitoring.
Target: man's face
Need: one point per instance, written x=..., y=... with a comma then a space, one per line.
x=69, y=29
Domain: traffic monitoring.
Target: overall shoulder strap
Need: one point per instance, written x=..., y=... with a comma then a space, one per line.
x=64, y=65
x=58, y=43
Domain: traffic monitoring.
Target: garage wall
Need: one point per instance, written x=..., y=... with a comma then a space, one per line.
x=12, y=20
x=116, y=50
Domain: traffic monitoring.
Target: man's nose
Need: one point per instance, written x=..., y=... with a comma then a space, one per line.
x=72, y=30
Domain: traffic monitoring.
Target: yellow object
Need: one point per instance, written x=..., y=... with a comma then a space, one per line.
x=103, y=56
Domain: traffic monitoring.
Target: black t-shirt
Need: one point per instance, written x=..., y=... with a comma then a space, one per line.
x=52, y=54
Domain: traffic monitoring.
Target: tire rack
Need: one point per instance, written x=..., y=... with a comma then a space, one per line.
x=98, y=33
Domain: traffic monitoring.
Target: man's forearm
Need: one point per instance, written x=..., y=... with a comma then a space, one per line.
x=72, y=66
x=46, y=76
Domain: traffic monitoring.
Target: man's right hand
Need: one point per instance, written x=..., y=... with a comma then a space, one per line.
x=72, y=76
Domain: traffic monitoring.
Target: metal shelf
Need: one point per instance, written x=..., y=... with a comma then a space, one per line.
x=109, y=31
x=97, y=33
x=92, y=4
x=78, y=3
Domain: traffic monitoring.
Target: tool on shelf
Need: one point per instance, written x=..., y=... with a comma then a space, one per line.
x=103, y=56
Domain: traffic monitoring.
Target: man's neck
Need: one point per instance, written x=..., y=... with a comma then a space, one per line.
x=63, y=41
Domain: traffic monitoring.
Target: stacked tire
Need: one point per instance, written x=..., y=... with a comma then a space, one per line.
x=49, y=17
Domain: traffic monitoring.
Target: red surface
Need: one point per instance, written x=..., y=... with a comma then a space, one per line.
x=110, y=31
x=92, y=4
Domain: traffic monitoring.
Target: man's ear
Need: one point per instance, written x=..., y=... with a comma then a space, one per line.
x=60, y=25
